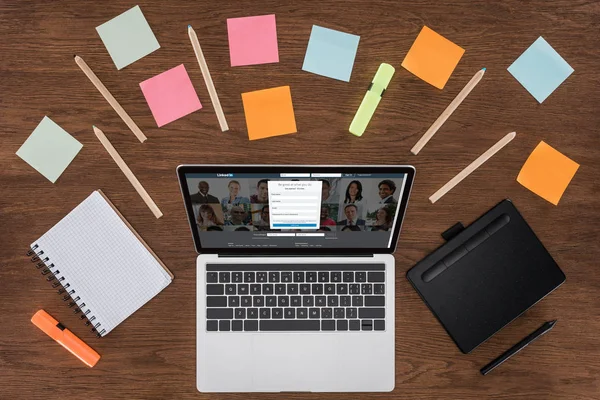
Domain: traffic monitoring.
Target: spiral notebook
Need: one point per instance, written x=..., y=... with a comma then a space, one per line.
x=99, y=264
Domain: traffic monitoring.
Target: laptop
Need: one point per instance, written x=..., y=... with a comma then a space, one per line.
x=295, y=275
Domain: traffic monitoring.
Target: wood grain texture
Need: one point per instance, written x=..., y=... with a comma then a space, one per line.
x=152, y=354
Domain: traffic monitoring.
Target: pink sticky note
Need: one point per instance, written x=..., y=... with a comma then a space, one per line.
x=252, y=40
x=170, y=95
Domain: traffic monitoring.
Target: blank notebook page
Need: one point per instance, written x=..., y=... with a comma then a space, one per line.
x=112, y=272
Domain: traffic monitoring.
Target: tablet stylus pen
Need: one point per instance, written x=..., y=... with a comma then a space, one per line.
x=532, y=337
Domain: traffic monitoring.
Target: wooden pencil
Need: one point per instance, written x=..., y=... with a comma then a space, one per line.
x=214, y=98
x=472, y=167
x=132, y=178
x=110, y=98
x=447, y=112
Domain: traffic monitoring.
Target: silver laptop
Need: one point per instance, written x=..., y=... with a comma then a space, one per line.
x=295, y=277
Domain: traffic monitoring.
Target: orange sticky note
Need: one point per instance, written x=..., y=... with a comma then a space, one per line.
x=269, y=112
x=547, y=172
x=432, y=58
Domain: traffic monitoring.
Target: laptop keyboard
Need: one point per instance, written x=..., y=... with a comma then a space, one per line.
x=300, y=297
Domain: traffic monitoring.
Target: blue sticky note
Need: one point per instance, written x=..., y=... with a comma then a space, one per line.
x=540, y=69
x=330, y=53
x=49, y=149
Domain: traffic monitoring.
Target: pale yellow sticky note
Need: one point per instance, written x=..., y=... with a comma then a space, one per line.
x=547, y=172
x=432, y=57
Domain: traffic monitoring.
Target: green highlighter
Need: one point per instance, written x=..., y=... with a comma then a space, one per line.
x=372, y=98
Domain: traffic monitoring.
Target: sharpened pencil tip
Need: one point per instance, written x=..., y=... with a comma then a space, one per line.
x=189, y=26
x=483, y=69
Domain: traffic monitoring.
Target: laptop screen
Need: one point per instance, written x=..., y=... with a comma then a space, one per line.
x=314, y=208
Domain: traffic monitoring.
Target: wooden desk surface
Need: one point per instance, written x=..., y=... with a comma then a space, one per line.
x=152, y=355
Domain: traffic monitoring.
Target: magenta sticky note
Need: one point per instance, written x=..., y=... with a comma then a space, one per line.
x=252, y=40
x=170, y=95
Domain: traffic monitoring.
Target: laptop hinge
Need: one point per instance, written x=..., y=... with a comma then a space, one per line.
x=294, y=255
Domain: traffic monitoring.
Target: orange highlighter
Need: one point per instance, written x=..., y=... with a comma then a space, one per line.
x=65, y=338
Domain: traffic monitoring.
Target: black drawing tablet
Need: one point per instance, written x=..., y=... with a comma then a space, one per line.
x=486, y=276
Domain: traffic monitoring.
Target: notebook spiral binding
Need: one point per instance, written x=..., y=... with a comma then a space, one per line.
x=53, y=275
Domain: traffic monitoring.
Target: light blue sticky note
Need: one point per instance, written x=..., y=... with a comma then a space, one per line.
x=128, y=37
x=540, y=69
x=330, y=53
x=49, y=149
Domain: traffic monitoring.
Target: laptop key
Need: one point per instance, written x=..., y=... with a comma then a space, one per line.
x=286, y=277
x=267, y=288
x=290, y=325
x=243, y=288
x=305, y=288
x=370, y=313
x=324, y=276
x=360, y=277
x=234, y=301
x=332, y=301
x=258, y=301
x=212, y=277
x=237, y=325
x=354, y=325
x=283, y=301
x=345, y=301
x=351, y=312
x=308, y=301
x=348, y=276
x=216, y=301
x=219, y=313
x=328, y=325
x=314, y=313
x=336, y=276
x=326, y=313
x=342, y=288
x=237, y=277
x=280, y=288
x=338, y=313
x=278, y=313
x=296, y=301
x=224, y=326
x=299, y=277
x=357, y=301
x=330, y=288
x=302, y=313
x=246, y=301
x=367, y=325
x=250, y=325
x=261, y=277
x=271, y=301
x=274, y=276
x=212, y=326
x=289, y=313
x=224, y=277
x=252, y=313
x=366, y=288
x=379, y=325
x=265, y=313
x=342, y=325
x=376, y=276
x=354, y=288
x=249, y=277
x=374, y=301
x=311, y=277
x=240, y=313
x=317, y=288
x=217, y=289
x=320, y=301
x=230, y=289
x=379, y=288
x=255, y=288
x=292, y=288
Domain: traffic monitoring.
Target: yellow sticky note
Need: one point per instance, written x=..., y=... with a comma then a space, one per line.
x=269, y=112
x=432, y=58
x=547, y=172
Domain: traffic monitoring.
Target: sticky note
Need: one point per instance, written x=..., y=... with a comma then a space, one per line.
x=330, y=53
x=170, y=95
x=252, y=40
x=540, y=69
x=547, y=172
x=128, y=37
x=269, y=112
x=432, y=57
x=49, y=149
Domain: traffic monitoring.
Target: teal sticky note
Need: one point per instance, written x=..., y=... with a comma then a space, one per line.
x=49, y=149
x=540, y=69
x=128, y=37
x=330, y=53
